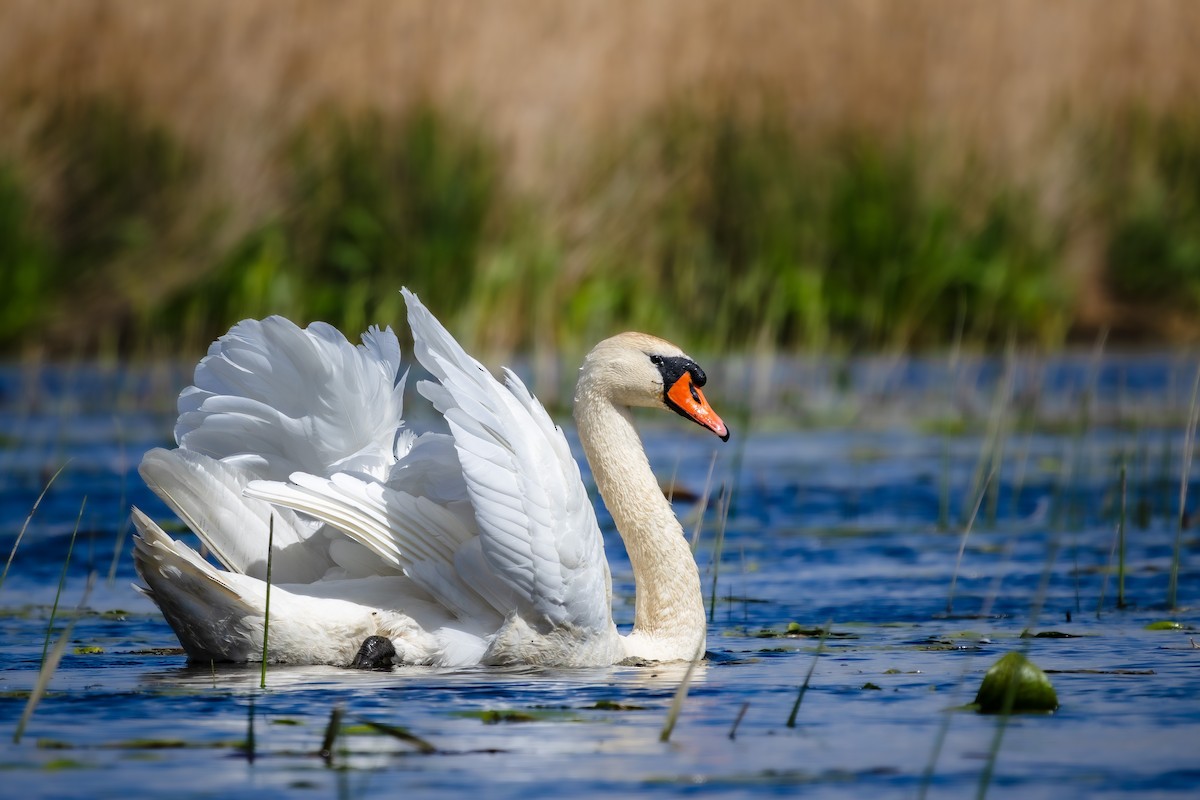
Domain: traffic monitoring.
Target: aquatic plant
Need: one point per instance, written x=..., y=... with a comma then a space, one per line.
x=262, y=683
x=62, y=580
x=1189, y=441
x=812, y=666
x=844, y=240
x=28, y=280
x=680, y=695
x=1145, y=169
x=1014, y=684
x=24, y=526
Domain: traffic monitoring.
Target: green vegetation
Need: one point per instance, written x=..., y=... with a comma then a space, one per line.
x=1147, y=170
x=370, y=204
x=761, y=237
x=26, y=282
x=1014, y=684
x=726, y=228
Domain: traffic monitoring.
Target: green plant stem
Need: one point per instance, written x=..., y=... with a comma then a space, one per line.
x=718, y=545
x=50, y=663
x=12, y=553
x=62, y=579
x=962, y=544
x=1189, y=441
x=704, y=502
x=1121, y=542
x=331, y=732
x=680, y=696
x=791, y=720
x=262, y=684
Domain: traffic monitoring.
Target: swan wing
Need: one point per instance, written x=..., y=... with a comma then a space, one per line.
x=278, y=399
x=406, y=533
x=537, y=527
x=207, y=495
x=268, y=399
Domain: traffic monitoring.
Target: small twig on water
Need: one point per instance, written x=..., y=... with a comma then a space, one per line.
x=397, y=732
x=331, y=732
x=738, y=721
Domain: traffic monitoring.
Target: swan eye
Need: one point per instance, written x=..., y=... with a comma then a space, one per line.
x=656, y=360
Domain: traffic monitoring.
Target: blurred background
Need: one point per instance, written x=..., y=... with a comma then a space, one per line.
x=767, y=175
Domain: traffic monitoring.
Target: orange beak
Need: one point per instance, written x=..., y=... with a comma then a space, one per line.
x=684, y=396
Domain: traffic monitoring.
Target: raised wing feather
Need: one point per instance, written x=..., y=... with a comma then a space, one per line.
x=538, y=529
x=269, y=399
x=280, y=399
x=207, y=496
x=406, y=533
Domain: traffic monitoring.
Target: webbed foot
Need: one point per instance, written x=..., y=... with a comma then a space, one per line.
x=377, y=652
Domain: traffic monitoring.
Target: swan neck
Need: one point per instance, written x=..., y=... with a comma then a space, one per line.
x=669, y=606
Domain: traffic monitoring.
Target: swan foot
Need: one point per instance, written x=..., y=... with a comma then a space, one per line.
x=377, y=652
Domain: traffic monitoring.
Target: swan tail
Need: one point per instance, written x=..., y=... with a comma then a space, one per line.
x=220, y=616
x=201, y=607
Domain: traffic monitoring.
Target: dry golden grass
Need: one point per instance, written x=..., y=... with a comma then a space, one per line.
x=550, y=78
x=556, y=83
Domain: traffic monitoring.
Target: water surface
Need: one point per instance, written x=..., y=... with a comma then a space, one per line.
x=851, y=488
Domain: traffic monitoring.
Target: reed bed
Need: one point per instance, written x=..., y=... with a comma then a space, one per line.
x=778, y=176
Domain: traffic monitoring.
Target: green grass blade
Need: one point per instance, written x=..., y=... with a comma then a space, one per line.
x=1189, y=441
x=791, y=721
x=50, y=663
x=262, y=683
x=62, y=580
x=680, y=696
x=12, y=553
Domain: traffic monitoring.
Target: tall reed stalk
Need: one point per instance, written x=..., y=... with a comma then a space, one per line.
x=1189, y=441
x=262, y=683
x=723, y=503
x=680, y=695
x=13, y=553
x=1121, y=542
x=50, y=663
x=791, y=720
x=962, y=544
x=62, y=579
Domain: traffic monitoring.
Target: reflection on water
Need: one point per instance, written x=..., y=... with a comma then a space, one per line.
x=852, y=497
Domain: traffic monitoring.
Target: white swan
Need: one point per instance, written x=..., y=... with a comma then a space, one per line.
x=480, y=546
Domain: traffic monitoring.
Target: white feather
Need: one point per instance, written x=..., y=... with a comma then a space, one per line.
x=480, y=546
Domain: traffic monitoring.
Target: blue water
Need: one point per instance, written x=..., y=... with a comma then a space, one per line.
x=851, y=486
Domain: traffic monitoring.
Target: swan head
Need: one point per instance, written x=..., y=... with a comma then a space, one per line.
x=643, y=371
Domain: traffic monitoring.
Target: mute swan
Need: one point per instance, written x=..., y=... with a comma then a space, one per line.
x=479, y=546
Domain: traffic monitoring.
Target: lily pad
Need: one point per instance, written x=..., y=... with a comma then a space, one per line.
x=1015, y=684
x=1164, y=625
